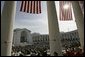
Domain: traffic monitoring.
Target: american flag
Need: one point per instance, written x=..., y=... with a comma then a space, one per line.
x=31, y=7
x=65, y=14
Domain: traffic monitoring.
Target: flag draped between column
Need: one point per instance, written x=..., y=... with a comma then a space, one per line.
x=65, y=10
x=31, y=7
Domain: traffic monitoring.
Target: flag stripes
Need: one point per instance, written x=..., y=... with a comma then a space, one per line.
x=65, y=14
x=34, y=7
x=28, y=7
x=31, y=7
x=39, y=6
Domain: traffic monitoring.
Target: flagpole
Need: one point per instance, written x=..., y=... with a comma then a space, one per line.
x=79, y=21
x=7, y=20
x=54, y=35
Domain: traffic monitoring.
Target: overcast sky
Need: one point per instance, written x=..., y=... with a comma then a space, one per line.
x=39, y=22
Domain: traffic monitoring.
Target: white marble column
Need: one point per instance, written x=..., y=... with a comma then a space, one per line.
x=54, y=35
x=7, y=20
x=79, y=21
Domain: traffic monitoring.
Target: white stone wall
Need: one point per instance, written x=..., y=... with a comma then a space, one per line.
x=29, y=38
x=17, y=36
x=67, y=36
x=16, y=39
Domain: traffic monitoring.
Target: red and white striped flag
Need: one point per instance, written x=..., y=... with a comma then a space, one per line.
x=31, y=7
x=65, y=13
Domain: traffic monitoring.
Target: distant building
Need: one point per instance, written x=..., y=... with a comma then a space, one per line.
x=67, y=38
x=70, y=38
x=22, y=37
x=40, y=39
